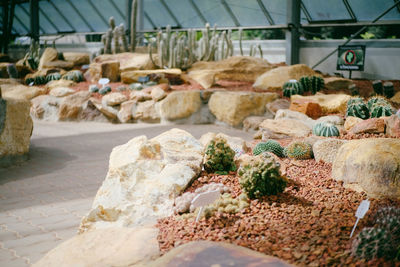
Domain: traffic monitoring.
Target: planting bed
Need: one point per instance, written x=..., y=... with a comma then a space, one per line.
x=308, y=224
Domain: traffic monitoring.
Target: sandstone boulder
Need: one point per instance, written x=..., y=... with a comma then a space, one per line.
x=179, y=105
x=158, y=94
x=393, y=126
x=275, y=78
x=77, y=58
x=128, y=61
x=114, y=99
x=278, y=104
x=49, y=54
x=59, y=83
x=71, y=105
x=107, y=69
x=253, y=122
x=295, y=115
x=19, y=91
x=332, y=103
x=371, y=165
x=337, y=84
x=373, y=125
x=61, y=91
x=146, y=111
x=143, y=179
x=94, y=105
x=125, y=112
x=132, y=76
x=351, y=122
x=236, y=143
x=233, y=107
x=139, y=96
x=115, y=246
x=326, y=149
x=311, y=109
x=58, y=64
x=284, y=128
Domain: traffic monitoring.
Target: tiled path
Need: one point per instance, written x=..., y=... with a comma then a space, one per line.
x=42, y=200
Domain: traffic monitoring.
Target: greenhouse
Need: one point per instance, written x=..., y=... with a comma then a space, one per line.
x=199, y=133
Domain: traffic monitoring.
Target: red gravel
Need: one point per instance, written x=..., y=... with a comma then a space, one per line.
x=308, y=224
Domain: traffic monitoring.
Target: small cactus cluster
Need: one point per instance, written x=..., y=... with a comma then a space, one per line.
x=253, y=48
x=381, y=241
x=182, y=50
x=53, y=77
x=219, y=157
x=298, y=150
x=261, y=176
x=386, y=89
x=93, y=88
x=74, y=75
x=104, y=90
x=32, y=58
x=113, y=35
x=325, y=129
x=268, y=146
x=39, y=79
x=292, y=87
x=312, y=83
x=356, y=107
x=379, y=107
x=376, y=107
x=227, y=204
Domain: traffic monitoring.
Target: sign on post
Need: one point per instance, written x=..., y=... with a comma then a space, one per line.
x=351, y=58
x=360, y=213
x=204, y=199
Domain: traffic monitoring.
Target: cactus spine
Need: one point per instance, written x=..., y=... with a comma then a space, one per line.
x=299, y=150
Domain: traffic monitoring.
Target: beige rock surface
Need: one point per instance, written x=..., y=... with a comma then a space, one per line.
x=77, y=58
x=108, y=111
x=146, y=111
x=295, y=115
x=372, y=164
x=350, y=122
x=179, y=105
x=236, y=143
x=61, y=91
x=140, y=96
x=158, y=94
x=19, y=91
x=71, y=105
x=131, y=76
x=59, y=83
x=49, y=54
x=337, y=83
x=233, y=107
x=125, y=113
x=113, y=99
x=283, y=128
x=45, y=107
x=332, y=103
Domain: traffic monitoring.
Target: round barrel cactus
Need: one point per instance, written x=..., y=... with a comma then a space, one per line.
x=325, y=129
x=378, y=87
x=312, y=83
x=29, y=80
x=40, y=79
x=269, y=146
x=93, y=88
x=74, y=75
x=358, y=109
x=355, y=100
x=376, y=99
x=381, y=110
x=53, y=77
x=299, y=150
x=292, y=87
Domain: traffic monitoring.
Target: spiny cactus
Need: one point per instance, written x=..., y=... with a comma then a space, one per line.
x=219, y=157
x=389, y=219
x=253, y=48
x=39, y=79
x=74, y=75
x=388, y=89
x=381, y=110
x=358, y=109
x=12, y=71
x=53, y=77
x=133, y=24
x=227, y=204
x=261, y=176
x=373, y=243
x=312, y=83
x=269, y=146
x=376, y=99
x=292, y=87
x=378, y=87
x=29, y=80
x=325, y=129
x=299, y=150
x=355, y=100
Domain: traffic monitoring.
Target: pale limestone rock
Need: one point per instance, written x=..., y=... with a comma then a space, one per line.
x=146, y=111
x=132, y=76
x=158, y=94
x=371, y=164
x=233, y=107
x=351, y=122
x=140, y=96
x=236, y=143
x=275, y=78
x=179, y=105
x=143, y=179
x=332, y=103
x=59, y=83
x=284, y=128
x=295, y=115
x=125, y=113
x=58, y=64
x=49, y=54
x=77, y=58
x=326, y=149
x=23, y=92
x=45, y=107
x=71, y=105
x=108, y=111
x=277, y=104
x=115, y=246
x=61, y=91
x=253, y=122
x=114, y=99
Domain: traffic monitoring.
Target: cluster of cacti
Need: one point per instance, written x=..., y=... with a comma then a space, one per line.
x=298, y=150
x=74, y=75
x=381, y=110
x=219, y=157
x=182, y=50
x=376, y=107
x=325, y=129
x=53, y=77
x=292, y=87
x=227, y=204
x=381, y=241
x=93, y=88
x=104, y=90
x=268, y=146
x=385, y=89
x=116, y=35
x=12, y=71
x=39, y=79
x=312, y=83
x=376, y=100
x=261, y=176
x=253, y=48
x=356, y=107
x=33, y=56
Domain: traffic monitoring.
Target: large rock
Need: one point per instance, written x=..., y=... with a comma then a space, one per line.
x=332, y=103
x=59, y=83
x=140, y=96
x=372, y=125
x=132, y=76
x=371, y=165
x=351, y=122
x=58, y=64
x=71, y=105
x=236, y=143
x=275, y=78
x=115, y=246
x=146, y=111
x=77, y=58
x=233, y=107
x=93, y=110
x=113, y=99
x=253, y=122
x=125, y=112
x=45, y=107
x=128, y=61
x=337, y=84
x=15, y=129
x=179, y=105
x=49, y=54
x=143, y=179
x=61, y=91
x=107, y=69
x=278, y=104
x=19, y=91
x=393, y=126
x=295, y=115
x=284, y=128
x=240, y=68
x=311, y=109
x=326, y=149
x=157, y=94
x=207, y=253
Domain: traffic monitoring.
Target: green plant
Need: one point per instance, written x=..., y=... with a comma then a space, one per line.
x=268, y=146
x=378, y=87
x=133, y=24
x=312, y=83
x=33, y=56
x=373, y=243
x=253, y=48
x=299, y=150
x=358, y=109
x=292, y=87
x=53, y=77
x=219, y=157
x=381, y=110
x=261, y=176
x=325, y=129
x=227, y=204
x=12, y=71
x=74, y=75
x=354, y=91
x=93, y=88
x=39, y=79
x=376, y=100
x=29, y=80
x=354, y=100
x=388, y=89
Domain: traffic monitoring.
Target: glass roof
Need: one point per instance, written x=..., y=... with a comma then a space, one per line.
x=61, y=16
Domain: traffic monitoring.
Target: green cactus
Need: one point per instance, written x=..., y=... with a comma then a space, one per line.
x=373, y=243
x=39, y=79
x=388, y=89
x=219, y=157
x=359, y=109
x=269, y=146
x=93, y=88
x=325, y=129
x=378, y=87
x=261, y=176
x=32, y=58
x=312, y=83
x=354, y=100
x=53, y=77
x=227, y=204
x=74, y=75
x=298, y=150
x=375, y=100
x=12, y=71
x=29, y=80
x=389, y=219
x=292, y=87
x=381, y=110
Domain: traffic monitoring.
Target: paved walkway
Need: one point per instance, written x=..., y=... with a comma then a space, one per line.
x=42, y=200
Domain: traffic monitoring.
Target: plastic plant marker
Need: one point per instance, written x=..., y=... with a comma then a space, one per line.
x=143, y=79
x=104, y=81
x=204, y=199
x=360, y=213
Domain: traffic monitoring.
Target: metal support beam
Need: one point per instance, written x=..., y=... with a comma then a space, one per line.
x=34, y=16
x=230, y=12
x=42, y=13
x=198, y=12
x=178, y=24
x=96, y=10
x=266, y=13
x=9, y=26
x=22, y=24
x=350, y=10
x=62, y=15
x=292, y=34
x=29, y=15
x=80, y=15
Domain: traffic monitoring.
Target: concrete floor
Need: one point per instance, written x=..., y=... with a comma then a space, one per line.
x=43, y=199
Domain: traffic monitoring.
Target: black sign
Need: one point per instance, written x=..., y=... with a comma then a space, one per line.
x=351, y=57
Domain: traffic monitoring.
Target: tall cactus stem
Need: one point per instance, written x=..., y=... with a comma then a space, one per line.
x=133, y=25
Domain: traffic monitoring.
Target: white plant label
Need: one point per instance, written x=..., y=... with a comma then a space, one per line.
x=204, y=199
x=104, y=81
x=360, y=213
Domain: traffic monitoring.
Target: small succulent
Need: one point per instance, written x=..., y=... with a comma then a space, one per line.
x=373, y=243
x=359, y=109
x=227, y=204
x=299, y=150
x=269, y=146
x=74, y=75
x=378, y=87
x=29, y=80
x=355, y=100
x=53, y=77
x=376, y=99
x=292, y=87
x=388, y=89
x=93, y=88
x=136, y=86
x=381, y=110
x=105, y=90
x=219, y=157
x=312, y=83
x=325, y=129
